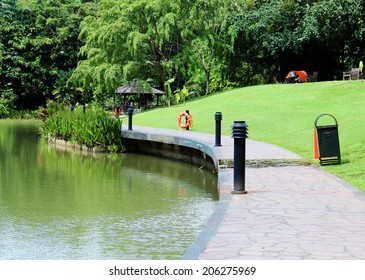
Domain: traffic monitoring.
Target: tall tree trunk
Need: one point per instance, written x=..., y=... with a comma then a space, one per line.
x=207, y=81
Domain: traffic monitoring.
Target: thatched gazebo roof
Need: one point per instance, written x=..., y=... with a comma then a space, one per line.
x=143, y=90
x=135, y=88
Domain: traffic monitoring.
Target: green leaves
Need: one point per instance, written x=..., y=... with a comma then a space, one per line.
x=206, y=45
x=181, y=94
x=169, y=91
x=38, y=41
x=95, y=128
x=168, y=84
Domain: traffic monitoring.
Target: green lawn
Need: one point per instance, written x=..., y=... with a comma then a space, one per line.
x=283, y=114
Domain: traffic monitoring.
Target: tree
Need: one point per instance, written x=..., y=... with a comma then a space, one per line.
x=274, y=37
x=8, y=27
x=169, y=91
x=39, y=39
x=208, y=33
x=336, y=29
x=126, y=40
x=181, y=94
x=206, y=45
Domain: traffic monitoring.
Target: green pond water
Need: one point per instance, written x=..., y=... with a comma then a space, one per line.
x=57, y=204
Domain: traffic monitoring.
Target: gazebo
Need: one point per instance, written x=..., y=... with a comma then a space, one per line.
x=143, y=92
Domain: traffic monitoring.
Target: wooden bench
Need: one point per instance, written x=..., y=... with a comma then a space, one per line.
x=354, y=74
x=313, y=77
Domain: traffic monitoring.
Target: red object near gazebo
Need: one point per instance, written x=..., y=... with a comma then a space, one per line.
x=296, y=76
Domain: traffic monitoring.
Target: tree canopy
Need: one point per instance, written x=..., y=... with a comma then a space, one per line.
x=84, y=49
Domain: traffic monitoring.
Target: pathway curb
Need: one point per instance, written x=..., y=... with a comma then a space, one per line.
x=293, y=210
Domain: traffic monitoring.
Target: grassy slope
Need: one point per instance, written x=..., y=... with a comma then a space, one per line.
x=283, y=114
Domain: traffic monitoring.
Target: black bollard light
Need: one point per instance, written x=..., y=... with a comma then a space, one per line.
x=239, y=134
x=130, y=114
x=218, y=119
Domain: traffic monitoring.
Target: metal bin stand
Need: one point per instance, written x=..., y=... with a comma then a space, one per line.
x=326, y=142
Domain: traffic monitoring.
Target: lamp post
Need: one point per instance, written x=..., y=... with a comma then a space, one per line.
x=239, y=134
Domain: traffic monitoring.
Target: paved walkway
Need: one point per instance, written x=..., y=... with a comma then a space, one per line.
x=291, y=211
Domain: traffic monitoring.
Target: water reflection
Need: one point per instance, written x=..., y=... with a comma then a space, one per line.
x=56, y=204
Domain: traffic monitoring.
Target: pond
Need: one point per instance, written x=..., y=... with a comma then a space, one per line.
x=57, y=204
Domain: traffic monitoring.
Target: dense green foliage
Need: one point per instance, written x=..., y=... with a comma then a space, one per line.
x=81, y=50
x=38, y=49
x=94, y=129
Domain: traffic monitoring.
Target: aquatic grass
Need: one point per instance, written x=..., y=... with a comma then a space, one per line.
x=94, y=129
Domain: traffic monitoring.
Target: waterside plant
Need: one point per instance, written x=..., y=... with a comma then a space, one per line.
x=94, y=129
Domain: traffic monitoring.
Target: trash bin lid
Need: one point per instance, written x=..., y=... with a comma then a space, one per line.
x=321, y=115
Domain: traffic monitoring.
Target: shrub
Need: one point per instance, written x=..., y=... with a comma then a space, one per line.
x=6, y=104
x=96, y=128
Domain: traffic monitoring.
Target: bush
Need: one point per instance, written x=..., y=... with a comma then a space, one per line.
x=6, y=104
x=23, y=114
x=96, y=128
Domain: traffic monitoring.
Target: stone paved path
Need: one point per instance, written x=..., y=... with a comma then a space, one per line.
x=290, y=212
x=294, y=212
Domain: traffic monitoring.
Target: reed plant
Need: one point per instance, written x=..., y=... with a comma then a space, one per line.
x=96, y=128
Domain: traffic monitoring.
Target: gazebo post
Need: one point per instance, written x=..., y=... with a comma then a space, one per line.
x=125, y=102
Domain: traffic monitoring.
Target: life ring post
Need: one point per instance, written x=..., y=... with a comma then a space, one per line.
x=187, y=112
x=188, y=120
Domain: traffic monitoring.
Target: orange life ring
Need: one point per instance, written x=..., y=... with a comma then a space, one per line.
x=188, y=120
x=117, y=111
